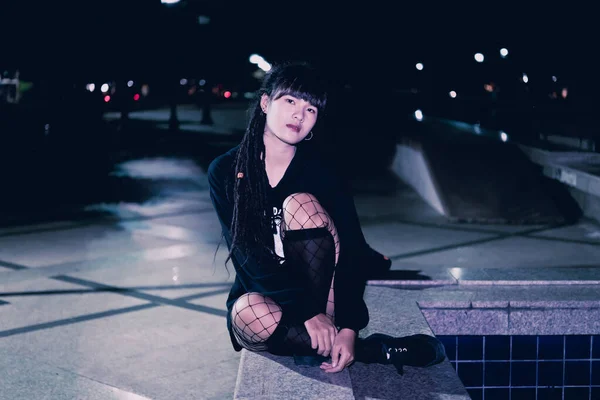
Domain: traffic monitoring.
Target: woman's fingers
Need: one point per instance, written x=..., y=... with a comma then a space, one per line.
x=325, y=349
x=314, y=341
x=332, y=336
x=342, y=363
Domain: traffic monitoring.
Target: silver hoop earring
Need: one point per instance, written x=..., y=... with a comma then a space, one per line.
x=309, y=138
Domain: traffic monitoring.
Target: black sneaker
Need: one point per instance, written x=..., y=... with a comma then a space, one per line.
x=415, y=351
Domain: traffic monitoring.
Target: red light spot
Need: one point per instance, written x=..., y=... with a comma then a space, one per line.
x=106, y=98
x=136, y=97
x=227, y=94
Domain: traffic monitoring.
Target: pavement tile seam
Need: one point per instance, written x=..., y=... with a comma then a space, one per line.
x=12, y=266
x=105, y=220
x=159, y=301
x=172, y=252
x=153, y=298
x=368, y=220
x=72, y=320
x=564, y=240
x=497, y=238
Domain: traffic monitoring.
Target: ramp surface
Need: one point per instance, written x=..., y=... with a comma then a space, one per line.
x=479, y=179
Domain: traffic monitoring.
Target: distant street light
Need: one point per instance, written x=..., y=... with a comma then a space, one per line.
x=503, y=52
x=260, y=62
x=452, y=94
x=419, y=66
x=479, y=57
x=525, y=78
x=419, y=115
x=265, y=66
x=170, y=1
x=255, y=59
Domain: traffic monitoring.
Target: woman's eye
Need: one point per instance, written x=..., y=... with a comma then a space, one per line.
x=290, y=101
x=312, y=110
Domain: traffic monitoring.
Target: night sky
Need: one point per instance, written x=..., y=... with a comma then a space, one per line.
x=372, y=41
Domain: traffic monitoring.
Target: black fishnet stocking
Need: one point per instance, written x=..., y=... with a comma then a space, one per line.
x=311, y=249
x=254, y=319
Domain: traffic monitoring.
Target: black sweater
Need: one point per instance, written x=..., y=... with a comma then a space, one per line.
x=264, y=274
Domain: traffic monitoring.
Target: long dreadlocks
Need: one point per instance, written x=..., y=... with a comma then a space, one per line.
x=250, y=228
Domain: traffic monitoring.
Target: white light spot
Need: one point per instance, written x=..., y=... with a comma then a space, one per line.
x=419, y=115
x=456, y=272
x=255, y=59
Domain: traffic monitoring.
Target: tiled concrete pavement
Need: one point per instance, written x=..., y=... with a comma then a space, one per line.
x=131, y=304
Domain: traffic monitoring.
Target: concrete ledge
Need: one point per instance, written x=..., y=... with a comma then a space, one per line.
x=533, y=276
x=512, y=310
x=573, y=142
x=514, y=321
x=264, y=376
x=577, y=170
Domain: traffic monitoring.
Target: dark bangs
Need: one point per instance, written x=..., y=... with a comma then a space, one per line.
x=302, y=83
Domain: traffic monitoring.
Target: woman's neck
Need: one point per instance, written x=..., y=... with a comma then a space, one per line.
x=278, y=153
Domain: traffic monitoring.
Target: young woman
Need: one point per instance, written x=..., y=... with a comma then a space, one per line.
x=294, y=237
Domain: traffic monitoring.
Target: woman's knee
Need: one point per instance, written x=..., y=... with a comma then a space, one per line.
x=256, y=314
x=303, y=211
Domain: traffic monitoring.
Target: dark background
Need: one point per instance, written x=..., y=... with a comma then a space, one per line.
x=370, y=43
x=56, y=141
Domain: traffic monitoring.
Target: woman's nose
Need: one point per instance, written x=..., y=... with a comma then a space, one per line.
x=299, y=115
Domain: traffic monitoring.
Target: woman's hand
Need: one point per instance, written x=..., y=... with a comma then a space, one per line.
x=322, y=333
x=342, y=354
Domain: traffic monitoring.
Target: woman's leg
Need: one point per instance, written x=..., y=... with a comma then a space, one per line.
x=258, y=325
x=254, y=318
x=311, y=244
x=311, y=247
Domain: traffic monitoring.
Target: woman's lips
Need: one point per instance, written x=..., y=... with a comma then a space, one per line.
x=295, y=128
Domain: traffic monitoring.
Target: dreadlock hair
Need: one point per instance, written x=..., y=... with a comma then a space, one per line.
x=250, y=229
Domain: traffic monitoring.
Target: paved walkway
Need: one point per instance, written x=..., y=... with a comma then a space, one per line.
x=127, y=300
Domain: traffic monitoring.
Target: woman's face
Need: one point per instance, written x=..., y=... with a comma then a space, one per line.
x=289, y=119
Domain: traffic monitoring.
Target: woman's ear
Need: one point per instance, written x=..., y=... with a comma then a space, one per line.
x=264, y=102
